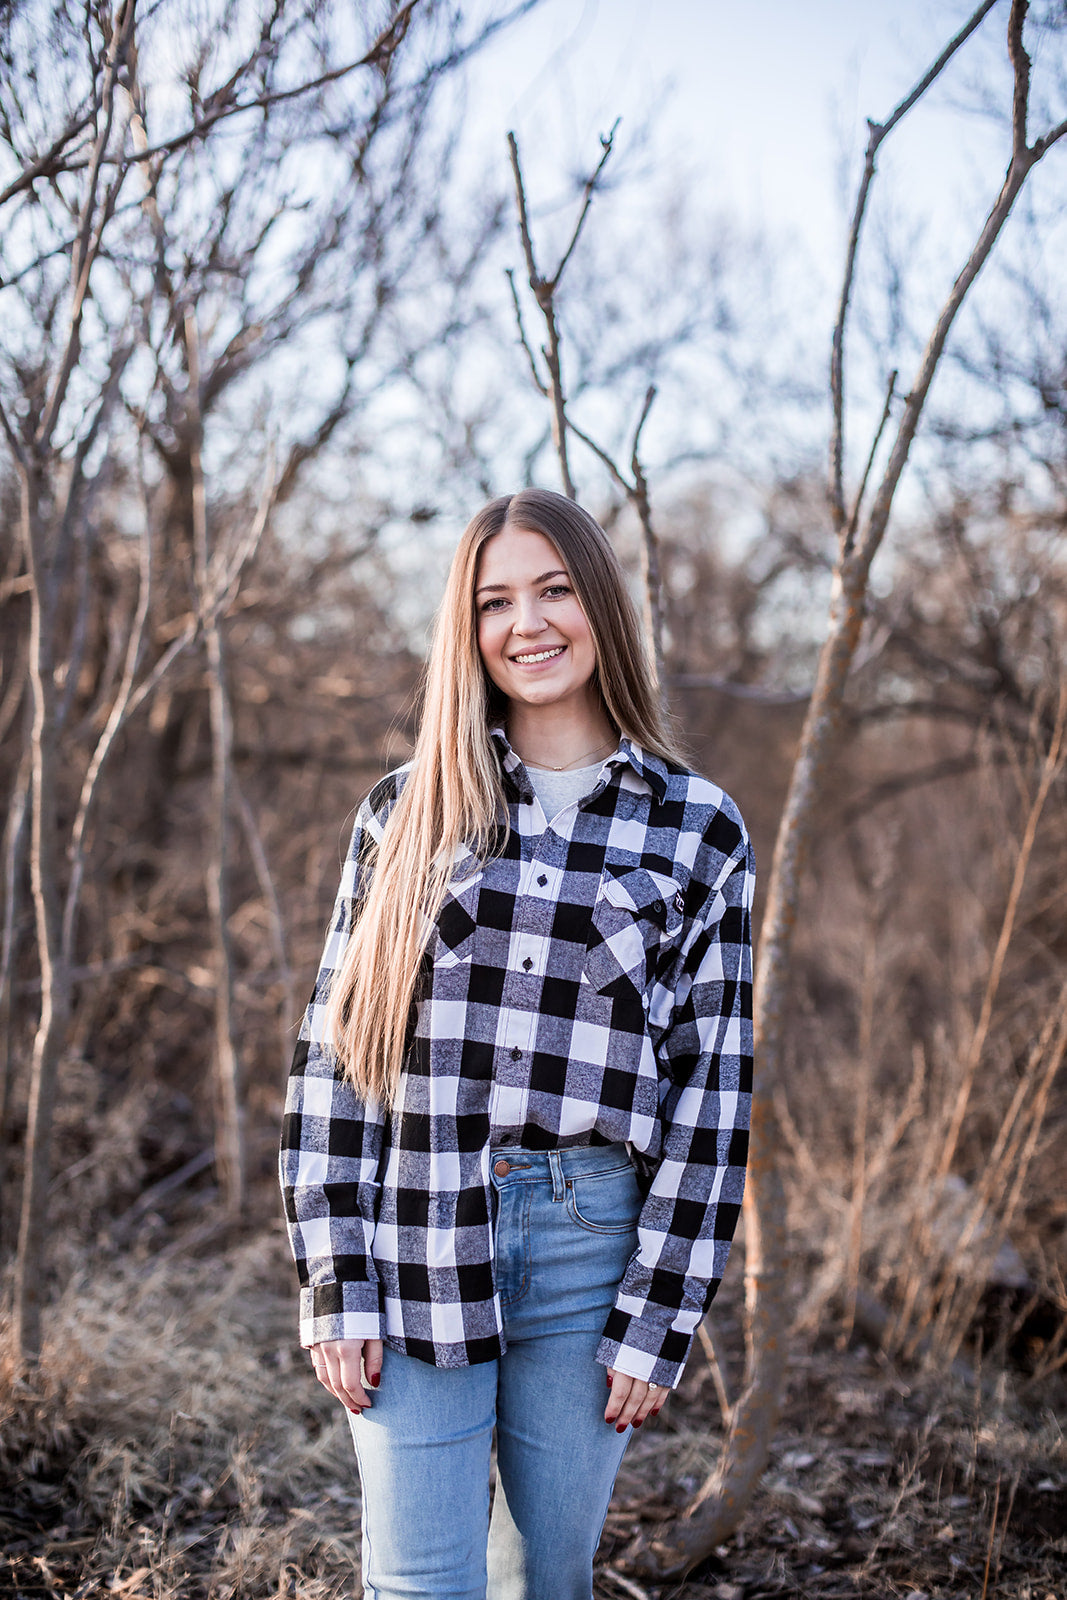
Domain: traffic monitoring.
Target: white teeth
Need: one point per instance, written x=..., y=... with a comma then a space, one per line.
x=542, y=655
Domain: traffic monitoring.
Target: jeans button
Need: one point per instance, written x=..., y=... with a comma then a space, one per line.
x=502, y=1168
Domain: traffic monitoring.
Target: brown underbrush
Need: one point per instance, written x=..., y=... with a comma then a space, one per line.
x=172, y=1444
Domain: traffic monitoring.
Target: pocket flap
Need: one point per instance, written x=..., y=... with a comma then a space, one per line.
x=646, y=894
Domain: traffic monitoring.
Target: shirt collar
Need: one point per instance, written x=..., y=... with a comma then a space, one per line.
x=649, y=767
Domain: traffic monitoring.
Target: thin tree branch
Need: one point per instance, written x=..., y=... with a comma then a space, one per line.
x=253, y=838
x=541, y=387
x=1020, y=62
x=90, y=237
x=47, y=165
x=116, y=718
x=606, y=140
x=229, y=1117
x=740, y=691
x=853, y=520
x=877, y=133
x=637, y=494
x=544, y=292
x=379, y=53
x=13, y=441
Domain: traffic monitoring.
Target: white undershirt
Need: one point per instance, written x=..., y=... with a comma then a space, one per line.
x=557, y=790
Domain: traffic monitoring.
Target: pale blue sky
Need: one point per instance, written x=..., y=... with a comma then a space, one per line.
x=761, y=102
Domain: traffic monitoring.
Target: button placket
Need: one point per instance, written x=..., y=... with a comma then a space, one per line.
x=519, y=1010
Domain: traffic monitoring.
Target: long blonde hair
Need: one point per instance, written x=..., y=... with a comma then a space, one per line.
x=453, y=793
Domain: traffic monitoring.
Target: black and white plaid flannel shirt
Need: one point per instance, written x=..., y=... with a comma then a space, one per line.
x=590, y=984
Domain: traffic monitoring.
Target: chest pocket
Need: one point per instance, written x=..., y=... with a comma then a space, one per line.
x=636, y=917
x=457, y=921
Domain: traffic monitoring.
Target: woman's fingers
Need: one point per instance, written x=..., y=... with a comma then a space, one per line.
x=631, y=1401
x=373, y=1350
x=337, y=1364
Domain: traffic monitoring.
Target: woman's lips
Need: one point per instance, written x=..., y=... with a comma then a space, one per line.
x=534, y=658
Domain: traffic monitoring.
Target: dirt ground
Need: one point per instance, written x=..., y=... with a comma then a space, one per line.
x=173, y=1444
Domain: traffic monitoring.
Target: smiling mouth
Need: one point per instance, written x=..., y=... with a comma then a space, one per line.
x=540, y=655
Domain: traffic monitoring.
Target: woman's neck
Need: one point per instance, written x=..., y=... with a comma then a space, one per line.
x=558, y=737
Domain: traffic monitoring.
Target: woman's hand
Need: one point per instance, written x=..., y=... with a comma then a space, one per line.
x=337, y=1367
x=632, y=1400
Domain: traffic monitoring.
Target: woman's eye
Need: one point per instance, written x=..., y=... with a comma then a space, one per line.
x=492, y=605
x=558, y=589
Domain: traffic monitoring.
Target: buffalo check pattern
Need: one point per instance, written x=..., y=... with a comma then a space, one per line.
x=588, y=983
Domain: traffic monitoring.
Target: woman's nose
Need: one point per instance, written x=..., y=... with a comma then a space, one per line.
x=529, y=618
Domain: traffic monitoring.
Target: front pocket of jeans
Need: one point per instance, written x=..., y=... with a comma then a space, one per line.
x=605, y=1202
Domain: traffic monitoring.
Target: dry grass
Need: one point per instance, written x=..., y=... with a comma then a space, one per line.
x=173, y=1444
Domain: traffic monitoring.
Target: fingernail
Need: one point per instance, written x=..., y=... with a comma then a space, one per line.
x=376, y=1379
x=608, y=1376
x=620, y=1427
x=636, y=1422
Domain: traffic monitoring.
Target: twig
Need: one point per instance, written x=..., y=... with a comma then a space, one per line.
x=119, y=711
x=878, y=132
x=636, y=492
x=606, y=141
x=90, y=233
x=989, y=1545
x=715, y=1366
x=544, y=290
x=853, y=520
x=627, y=1585
x=1051, y=767
x=740, y=691
x=150, y=1197
x=229, y=1122
x=539, y=383
x=46, y=165
x=383, y=47
x=274, y=915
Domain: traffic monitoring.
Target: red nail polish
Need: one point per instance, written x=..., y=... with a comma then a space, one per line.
x=608, y=1375
x=376, y=1379
x=620, y=1427
x=637, y=1422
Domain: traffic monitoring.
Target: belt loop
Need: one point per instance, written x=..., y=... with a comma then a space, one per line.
x=555, y=1167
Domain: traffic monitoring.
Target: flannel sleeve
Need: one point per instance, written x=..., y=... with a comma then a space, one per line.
x=330, y=1149
x=691, y=1210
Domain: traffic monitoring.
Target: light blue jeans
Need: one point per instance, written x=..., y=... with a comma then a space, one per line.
x=566, y=1228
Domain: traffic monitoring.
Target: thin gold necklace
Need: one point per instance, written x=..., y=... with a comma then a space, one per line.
x=607, y=746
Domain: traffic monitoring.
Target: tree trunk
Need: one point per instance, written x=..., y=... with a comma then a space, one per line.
x=14, y=861
x=229, y=1117
x=229, y=1111
x=31, y=1267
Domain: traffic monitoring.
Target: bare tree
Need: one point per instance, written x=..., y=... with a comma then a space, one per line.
x=720, y=1503
x=552, y=387
x=149, y=267
x=718, y=1506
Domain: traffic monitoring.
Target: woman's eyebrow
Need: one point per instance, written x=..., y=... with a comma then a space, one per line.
x=493, y=588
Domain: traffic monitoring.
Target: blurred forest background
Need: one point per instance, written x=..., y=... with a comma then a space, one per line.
x=259, y=361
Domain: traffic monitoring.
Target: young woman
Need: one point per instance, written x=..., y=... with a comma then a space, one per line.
x=515, y=1139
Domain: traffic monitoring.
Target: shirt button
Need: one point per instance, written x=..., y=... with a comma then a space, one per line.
x=657, y=908
x=542, y=880
x=516, y=1054
x=527, y=964
x=502, y=1168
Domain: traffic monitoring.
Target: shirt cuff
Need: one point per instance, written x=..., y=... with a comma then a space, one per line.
x=642, y=1347
x=340, y=1311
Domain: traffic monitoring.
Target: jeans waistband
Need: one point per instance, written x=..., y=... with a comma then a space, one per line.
x=554, y=1166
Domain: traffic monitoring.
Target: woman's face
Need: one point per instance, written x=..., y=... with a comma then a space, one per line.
x=533, y=635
